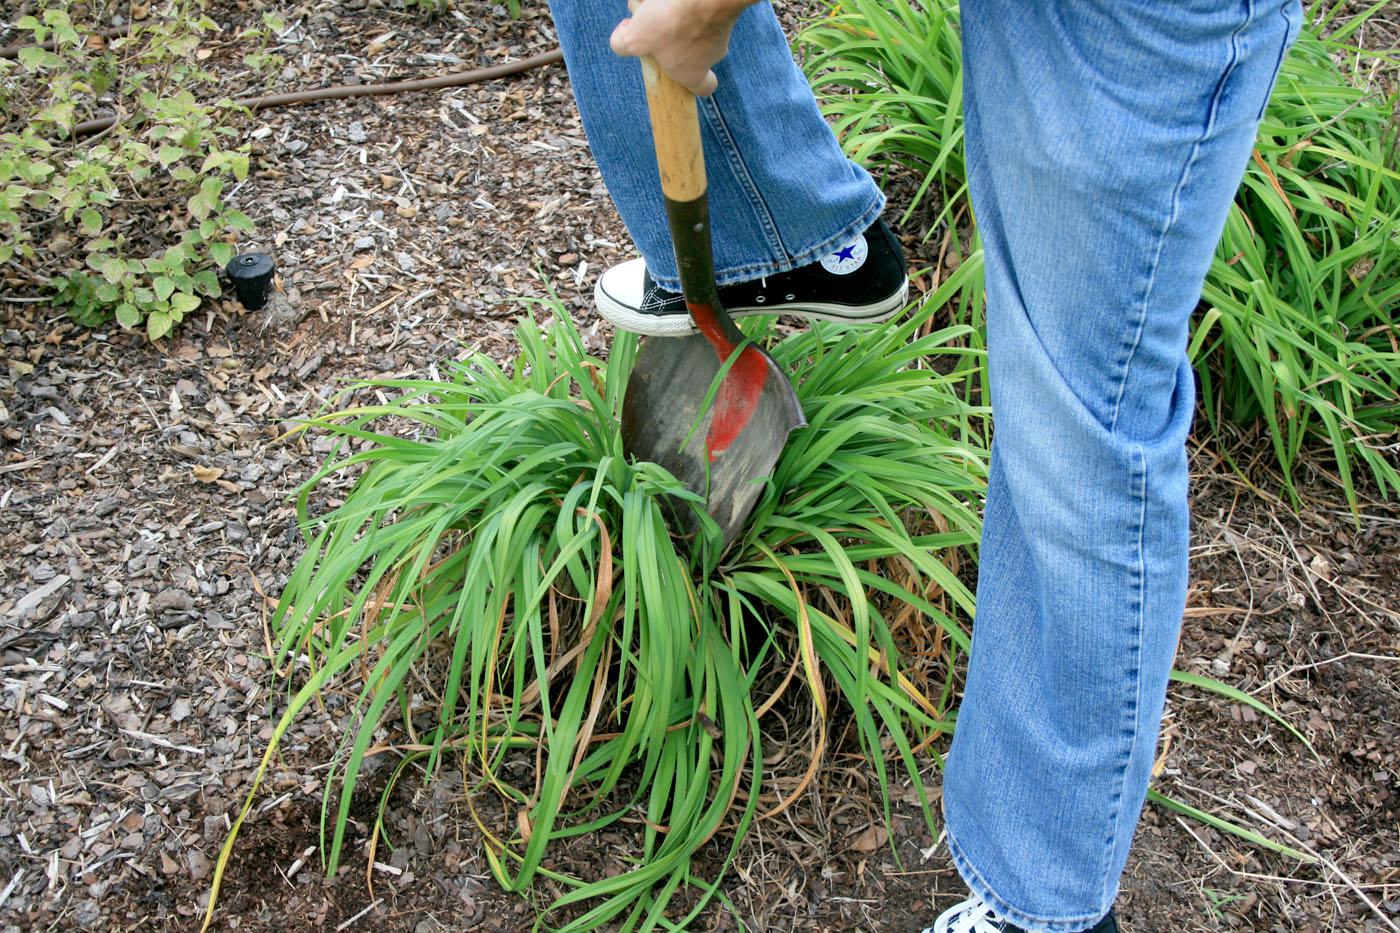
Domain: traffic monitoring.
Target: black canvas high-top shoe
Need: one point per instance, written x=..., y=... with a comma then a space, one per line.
x=862, y=281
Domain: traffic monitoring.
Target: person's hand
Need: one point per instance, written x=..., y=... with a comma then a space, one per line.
x=685, y=37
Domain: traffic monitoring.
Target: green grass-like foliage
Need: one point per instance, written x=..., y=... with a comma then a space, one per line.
x=890, y=77
x=1298, y=325
x=1297, y=329
x=500, y=557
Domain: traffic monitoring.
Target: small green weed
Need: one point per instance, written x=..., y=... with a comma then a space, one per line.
x=130, y=222
x=1218, y=902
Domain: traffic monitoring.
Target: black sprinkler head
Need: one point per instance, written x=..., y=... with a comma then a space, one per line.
x=251, y=274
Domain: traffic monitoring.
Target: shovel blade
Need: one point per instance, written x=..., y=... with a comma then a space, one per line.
x=722, y=450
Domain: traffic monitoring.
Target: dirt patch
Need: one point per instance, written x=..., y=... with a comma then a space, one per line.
x=277, y=881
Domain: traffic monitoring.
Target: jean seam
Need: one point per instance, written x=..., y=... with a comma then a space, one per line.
x=734, y=158
x=1129, y=721
x=1212, y=113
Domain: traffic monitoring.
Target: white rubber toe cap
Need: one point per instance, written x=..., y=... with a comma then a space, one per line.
x=618, y=295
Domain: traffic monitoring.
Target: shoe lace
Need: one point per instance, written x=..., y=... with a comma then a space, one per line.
x=974, y=915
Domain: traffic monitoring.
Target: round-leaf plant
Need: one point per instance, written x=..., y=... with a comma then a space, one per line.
x=502, y=563
x=128, y=223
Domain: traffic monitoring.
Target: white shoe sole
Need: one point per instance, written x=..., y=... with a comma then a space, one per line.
x=678, y=325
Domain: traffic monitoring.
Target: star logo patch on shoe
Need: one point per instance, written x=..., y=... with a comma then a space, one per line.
x=848, y=258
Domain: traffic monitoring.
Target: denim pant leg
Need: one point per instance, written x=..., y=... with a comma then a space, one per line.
x=1105, y=141
x=782, y=194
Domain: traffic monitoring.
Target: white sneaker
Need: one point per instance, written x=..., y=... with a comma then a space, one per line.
x=973, y=915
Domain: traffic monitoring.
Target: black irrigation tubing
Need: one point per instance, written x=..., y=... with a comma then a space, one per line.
x=112, y=32
x=337, y=92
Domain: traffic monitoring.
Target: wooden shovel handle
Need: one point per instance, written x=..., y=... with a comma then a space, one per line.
x=675, y=130
x=680, y=157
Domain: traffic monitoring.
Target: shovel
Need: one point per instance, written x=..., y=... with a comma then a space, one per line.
x=720, y=440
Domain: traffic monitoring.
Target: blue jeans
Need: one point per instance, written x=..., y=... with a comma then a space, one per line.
x=781, y=193
x=1105, y=141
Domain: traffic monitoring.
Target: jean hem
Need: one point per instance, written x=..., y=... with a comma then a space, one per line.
x=1031, y=923
x=746, y=272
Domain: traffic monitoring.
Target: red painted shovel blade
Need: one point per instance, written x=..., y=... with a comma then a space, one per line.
x=739, y=437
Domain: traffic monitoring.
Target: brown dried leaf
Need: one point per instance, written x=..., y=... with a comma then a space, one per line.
x=870, y=840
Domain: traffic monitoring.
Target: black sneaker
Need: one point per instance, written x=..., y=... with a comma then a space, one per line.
x=863, y=281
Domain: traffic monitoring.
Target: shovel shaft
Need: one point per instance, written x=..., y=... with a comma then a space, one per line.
x=680, y=159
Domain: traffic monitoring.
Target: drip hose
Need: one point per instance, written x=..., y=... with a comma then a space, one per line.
x=112, y=32
x=339, y=91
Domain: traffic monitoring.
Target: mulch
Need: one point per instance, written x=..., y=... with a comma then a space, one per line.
x=147, y=532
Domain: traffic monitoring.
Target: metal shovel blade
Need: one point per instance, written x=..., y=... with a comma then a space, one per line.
x=723, y=450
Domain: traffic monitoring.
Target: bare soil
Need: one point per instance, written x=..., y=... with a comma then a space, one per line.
x=146, y=530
